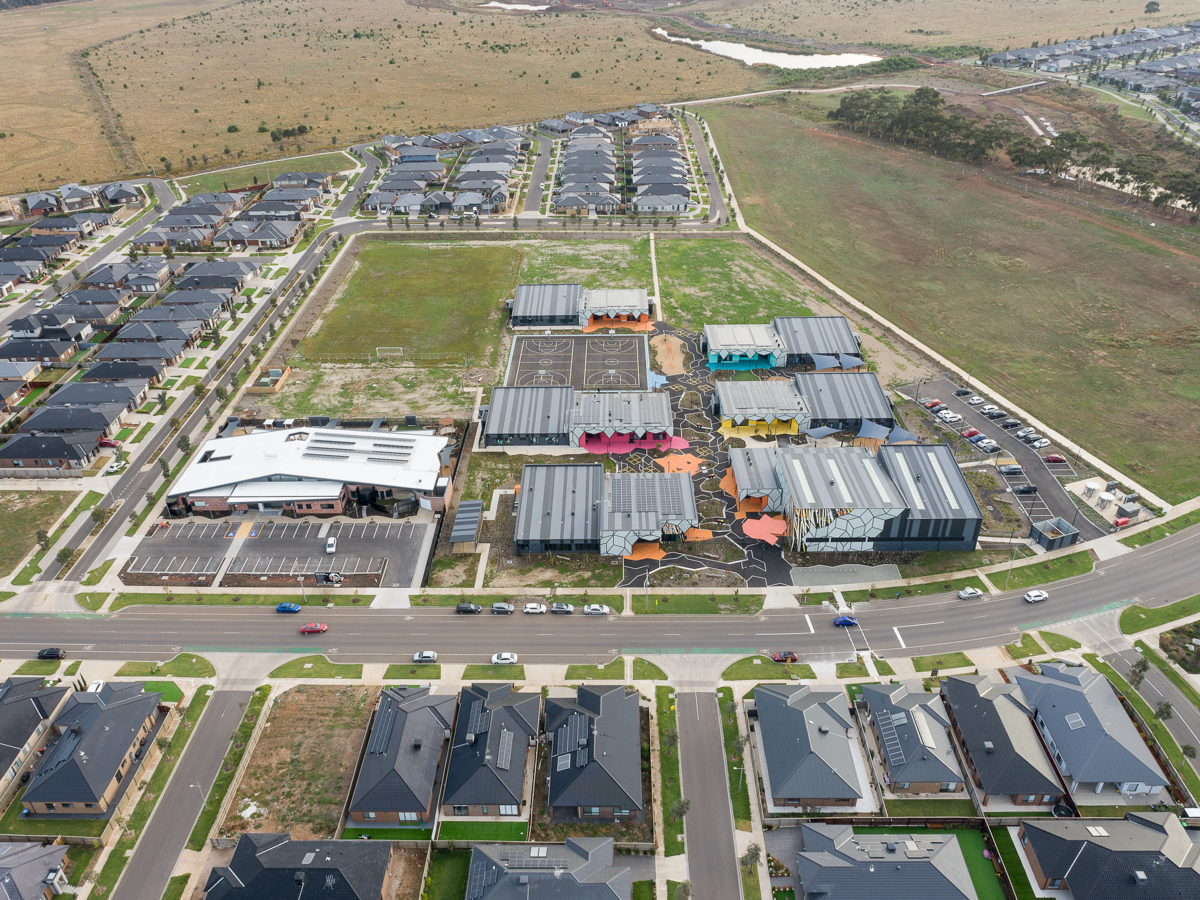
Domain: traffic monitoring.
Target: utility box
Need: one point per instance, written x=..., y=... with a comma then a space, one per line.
x=1054, y=533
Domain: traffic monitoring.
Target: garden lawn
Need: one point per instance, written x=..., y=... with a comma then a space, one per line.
x=1012, y=864
x=43, y=667
x=93, y=577
x=672, y=788
x=175, y=887
x=1028, y=646
x=613, y=671
x=494, y=673
x=423, y=671
x=956, y=660
x=765, y=669
x=317, y=667
x=644, y=670
x=182, y=598
x=1024, y=577
x=483, y=831
x=739, y=796
x=856, y=669
x=390, y=834
x=916, y=590
x=883, y=667
x=185, y=665
x=643, y=890
x=448, y=874
x=171, y=692
x=900, y=808
x=1059, y=642
x=1140, y=618
x=1158, y=532
x=695, y=604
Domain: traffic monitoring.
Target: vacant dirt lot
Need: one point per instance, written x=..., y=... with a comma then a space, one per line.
x=300, y=774
x=25, y=513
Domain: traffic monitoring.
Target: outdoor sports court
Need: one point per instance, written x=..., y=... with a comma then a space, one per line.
x=584, y=362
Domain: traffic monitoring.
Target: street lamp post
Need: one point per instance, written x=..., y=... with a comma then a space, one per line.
x=303, y=595
x=203, y=794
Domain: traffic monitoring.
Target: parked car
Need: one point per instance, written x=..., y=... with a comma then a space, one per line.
x=969, y=432
x=1008, y=424
x=503, y=609
x=991, y=448
x=331, y=545
x=504, y=659
x=962, y=392
x=314, y=628
x=288, y=608
x=117, y=465
x=997, y=414
x=969, y=593
x=932, y=402
x=975, y=401
x=109, y=442
x=1024, y=489
x=1036, y=596
x=51, y=653
x=941, y=407
x=534, y=609
x=1023, y=432
x=1012, y=470
x=562, y=609
x=950, y=418
x=425, y=656
x=977, y=437
x=1055, y=458
x=1041, y=444
x=785, y=656
x=1032, y=438
x=468, y=609
x=989, y=408
x=596, y=609
x=845, y=621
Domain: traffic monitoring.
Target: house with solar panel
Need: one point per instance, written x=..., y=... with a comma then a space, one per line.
x=274, y=867
x=399, y=773
x=594, y=759
x=490, y=753
x=814, y=343
x=911, y=728
x=582, y=868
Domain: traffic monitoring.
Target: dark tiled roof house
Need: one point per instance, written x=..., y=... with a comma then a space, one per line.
x=580, y=869
x=911, y=728
x=274, y=867
x=32, y=871
x=26, y=710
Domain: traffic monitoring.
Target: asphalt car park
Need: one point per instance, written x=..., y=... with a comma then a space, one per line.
x=1051, y=498
x=271, y=549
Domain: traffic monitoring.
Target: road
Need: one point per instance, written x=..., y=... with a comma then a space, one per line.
x=541, y=165
x=371, y=161
x=153, y=860
x=711, y=852
x=717, y=211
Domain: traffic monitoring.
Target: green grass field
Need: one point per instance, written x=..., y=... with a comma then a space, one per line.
x=644, y=670
x=616, y=263
x=613, y=671
x=916, y=590
x=25, y=513
x=1024, y=577
x=856, y=669
x=244, y=176
x=1028, y=646
x=494, y=673
x=171, y=692
x=93, y=577
x=900, y=808
x=1158, y=532
x=958, y=261
x=43, y=667
x=448, y=874
x=317, y=667
x=1012, y=864
x=758, y=668
x=423, y=672
x=185, y=665
x=698, y=604
x=1138, y=618
x=729, y=282
x=175, y=887
x=483, y=831
x=1058, y=642
x=956, y=660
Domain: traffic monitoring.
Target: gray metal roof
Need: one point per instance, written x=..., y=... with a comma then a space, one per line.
x=1089, y=727
x=765, y=401
x=841, y=865
x=1145, y=855
x=842, y=396
x=621, y=411
x=529, y=410
x=998, y=714
x=466, y=521
x=802, y=731
x=92, y=393
x=24, y=868
x=836, y=478
x=913, y=728
x=630, y=301
x=643, y=502
x=930, y=481
x=547, y=299
x=274, y=867
x=559, y=503
x=24, y=704
x=74, y=418
x=595, y=755
x=400, y=765
x=727, y=339
x=754, y=470
x=580, y=869
x=478, y=772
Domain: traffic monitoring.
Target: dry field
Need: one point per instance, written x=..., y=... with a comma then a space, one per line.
x=938, y=23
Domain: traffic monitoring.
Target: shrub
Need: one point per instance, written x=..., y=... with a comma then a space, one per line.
x=233, y=129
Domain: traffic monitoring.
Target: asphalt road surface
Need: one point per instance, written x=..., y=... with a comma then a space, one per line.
x=346, y=206
x=541, y=164
x=711, y=852
x=717, y=210
x=153, y=860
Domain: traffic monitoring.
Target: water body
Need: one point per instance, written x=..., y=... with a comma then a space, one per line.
x=521, y=6
x=754, y=56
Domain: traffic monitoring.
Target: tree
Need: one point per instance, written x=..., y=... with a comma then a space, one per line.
x=1137, y=672
x=1189, y=751
x=670, y=738
x=683, y=890
x=1164, y=710
x=184, y=443
x=198, y=389
x=221, y=393
x=1152, y=8
x=168, y=251
x=43, y=539
x=680, y=808
x=165, y=466
x=64, y=555
x=751, y=858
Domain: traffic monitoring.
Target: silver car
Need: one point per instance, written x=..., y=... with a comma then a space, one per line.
x=425, y=656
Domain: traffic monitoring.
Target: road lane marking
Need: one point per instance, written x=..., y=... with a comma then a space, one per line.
x=811, y=630
x=900, y=639
x=779, y=633
x=896, y=629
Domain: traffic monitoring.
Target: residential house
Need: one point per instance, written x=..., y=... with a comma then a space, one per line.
x=14, y=272
x=808, y=753
x=595, y=754
x=27, y=707
x=150, y=370
x=83, y=296
x=661, y=203
x=33, y=870
x=306, y=198
x=170, y=352
x=274, y=867
x=46, y=352
x=11, y=392
x=273, y=209
x=98, y=315
x=78, y=196
x=19, y=371
x=207, y=314
x=317, y=180
x=130, y=392
x=1148, y=855
x=1090, y=736
x=271, y=233
x=911, y=728
x=582, y=868
x=579, y=118
x=121, y=193
x=490, y=751
x=100, y=741
x=105, y=419
x=50, y=451
x=556, y=127
x=42, y=203
x=399, y=772
x=1004, y=755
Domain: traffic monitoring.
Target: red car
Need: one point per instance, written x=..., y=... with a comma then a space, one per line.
x=785, y=656
x=1056, y=457
x=969, y=432
x=931, y=403
x=314, y=628
x=109, y=442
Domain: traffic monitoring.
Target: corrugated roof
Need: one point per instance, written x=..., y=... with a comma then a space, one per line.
x=761, y=401
x=529, y=410
x=621, y=411
x=929, y=479
x=643, y=502
x=726, y=339
x=559, y=503
x=466, y=521
x=547, y=300
x=836, y=478
x=844, y=396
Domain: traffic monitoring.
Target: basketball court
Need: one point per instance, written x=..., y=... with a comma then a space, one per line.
x=584, y=362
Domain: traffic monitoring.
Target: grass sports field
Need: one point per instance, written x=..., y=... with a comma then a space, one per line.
x=1072, y=314
x=616, y=263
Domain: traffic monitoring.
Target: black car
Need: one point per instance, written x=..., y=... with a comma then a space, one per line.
x=51, y=653
x=1024, y=489
x=997, y=414
x=562, y=609
x=1030, y=438
x=469, y=609
x=1009, y=424
x=939, y=408
x=1012, y=470
x=963, y=392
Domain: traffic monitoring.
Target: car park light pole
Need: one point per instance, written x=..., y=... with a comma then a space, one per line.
x=303, y=595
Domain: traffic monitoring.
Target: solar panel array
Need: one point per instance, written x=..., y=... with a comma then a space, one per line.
x=483, y=875
x=504, y=754
x=581, y=757
x=572, y=734
x=480, y=720
x=622, y=495
x=382, y=734
x=525, y=862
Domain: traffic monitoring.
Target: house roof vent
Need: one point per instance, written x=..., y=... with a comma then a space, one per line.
x=989, y=747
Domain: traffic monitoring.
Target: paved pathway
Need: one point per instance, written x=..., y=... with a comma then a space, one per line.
x=717, y=211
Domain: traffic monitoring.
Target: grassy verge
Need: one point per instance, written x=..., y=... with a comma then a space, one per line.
x=1044, y=572
x=1139, y=618
x=1172, y=674
x=644, y=670
x=856, y=669
x=1028, y=646
x=142, y=432
x=938, y=562
x=448, y=874
x=883, y=667
x=1158, y=532
x=672, y=789
x=118, y=858
x=72, y=669
x=614, y=671
x=750, y=888
x=216, y=795
x=171, y=692
x=1059, y=642
x=423, y=671
x=93, y=577
x=739, y=797
x=43, y=667
x=185, y=665
x=916, y=590
x=1166, y=741
x=643, y=890
x=756, y=668
x=900, y=808
x=483, y=831
x=956, y=660
x=92, y=601
x=1012, y=864
x=494, y=673
x=699, y=604
x=175, y=887
x=124, y=599
x=316, y=667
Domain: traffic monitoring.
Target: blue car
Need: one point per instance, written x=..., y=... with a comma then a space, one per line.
x=977, y=438
x=288, y=607
x=845, y=621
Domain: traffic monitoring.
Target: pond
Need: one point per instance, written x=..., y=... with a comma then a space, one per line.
x=521, y=6
x=753, y=56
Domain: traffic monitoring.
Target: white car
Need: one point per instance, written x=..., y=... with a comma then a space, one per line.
x=596, y=609
x=504, y=659
x=975, y=401
x=116, y=466
x=425, y=656
x=535, y=609
x=1040, y=444
x=1036, y=596
x=984, y=444
x=969, y=593
x=989, y=408
x=949, y=418
x=1022, y=432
